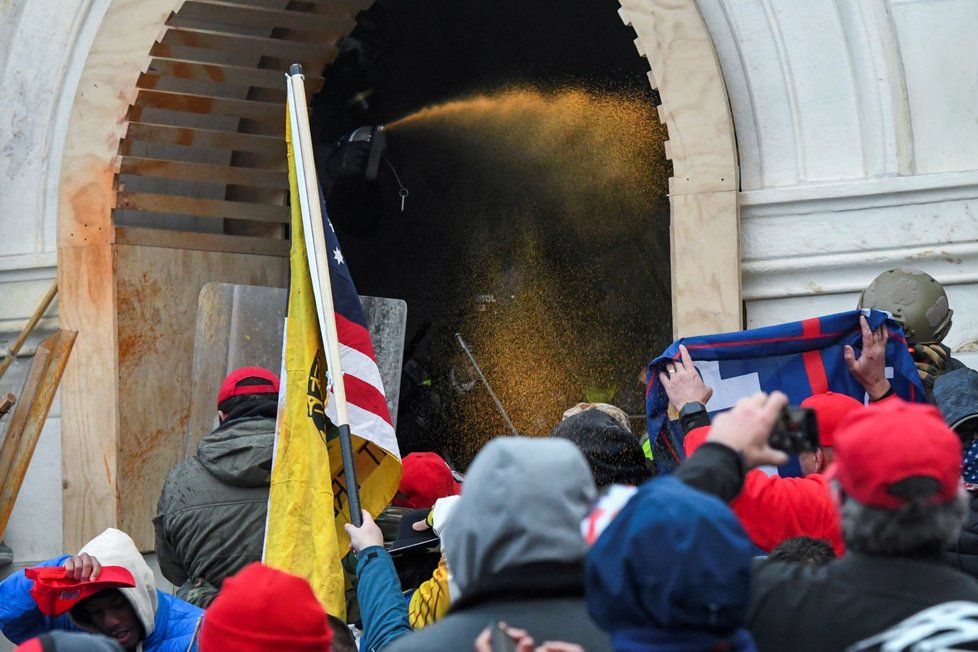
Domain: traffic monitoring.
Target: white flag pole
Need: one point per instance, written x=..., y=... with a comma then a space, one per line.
x=315, y=237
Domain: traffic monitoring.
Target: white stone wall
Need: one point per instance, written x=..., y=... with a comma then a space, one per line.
x=43, y=46
x=857, y=129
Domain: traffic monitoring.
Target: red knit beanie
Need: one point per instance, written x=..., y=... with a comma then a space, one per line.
x=260, y=609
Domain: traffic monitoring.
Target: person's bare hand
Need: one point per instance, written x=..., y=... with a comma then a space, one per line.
x=870, y=368
x=366, y=535
x=747, y=427
x=683, y=383
x=523, y=640
x=82, y=567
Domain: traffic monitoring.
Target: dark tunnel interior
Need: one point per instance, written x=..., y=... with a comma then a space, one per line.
x=536, y=224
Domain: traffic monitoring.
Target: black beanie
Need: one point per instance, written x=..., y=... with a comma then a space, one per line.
x=613, y=453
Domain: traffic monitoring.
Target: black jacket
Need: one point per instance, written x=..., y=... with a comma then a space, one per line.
x=963, y=555
x=799, y=608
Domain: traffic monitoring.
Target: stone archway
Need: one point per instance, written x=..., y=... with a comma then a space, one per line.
x=124, y=391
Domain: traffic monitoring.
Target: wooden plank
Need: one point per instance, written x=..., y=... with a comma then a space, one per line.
x=235, y=210
x=192, y=241
x=51, y=357
x=271, y=126
x=235, y=13
x=18, y=421
x=91, y=400
x=250, y=46
x=271, y=61
x=204, y=173
x=226, y=74
x=153, y=81
x=156, y=290
x=347, y=7
x=203, y=138
x=189, y=103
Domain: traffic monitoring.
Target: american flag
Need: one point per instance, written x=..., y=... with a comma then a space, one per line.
x=367, y=408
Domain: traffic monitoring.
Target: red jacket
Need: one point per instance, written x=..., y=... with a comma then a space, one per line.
x=772, y=508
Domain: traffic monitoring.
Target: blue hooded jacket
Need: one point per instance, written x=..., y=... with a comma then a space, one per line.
x=169, y=622
x=671, y=573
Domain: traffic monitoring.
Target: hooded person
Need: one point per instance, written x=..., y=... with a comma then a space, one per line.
x=614, y=454
x=671, y=572
x=515, y=548
x=956, y=396
x=210, y=520
x=140, y=617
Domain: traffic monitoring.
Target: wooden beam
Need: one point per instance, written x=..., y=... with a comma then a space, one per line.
x=26, y=331
x=192, y=241
x=18, y=421
x=235, y=210
x=49, y=362
x=227, y=74
x=247, y=46
x=347, y=7
x=270, y=61
x=203, y=173
x=202, y=104
x=235, y=13
x=203, y=138
x=157, y=82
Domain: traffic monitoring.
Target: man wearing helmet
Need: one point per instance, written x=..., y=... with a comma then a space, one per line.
x=916, y=300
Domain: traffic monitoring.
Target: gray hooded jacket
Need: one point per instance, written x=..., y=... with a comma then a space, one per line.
x=210, y=521
x=515, y=549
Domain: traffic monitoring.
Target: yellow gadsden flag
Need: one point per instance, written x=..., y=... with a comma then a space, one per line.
x=301, y=537
x=308, y=504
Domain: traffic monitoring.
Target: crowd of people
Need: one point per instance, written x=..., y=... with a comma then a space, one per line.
x=570, y=542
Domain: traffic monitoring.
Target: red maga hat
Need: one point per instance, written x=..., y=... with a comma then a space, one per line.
x=55, y=593
x=425, y=478
x=233, y=384
x=830, y=409
x=885, y=443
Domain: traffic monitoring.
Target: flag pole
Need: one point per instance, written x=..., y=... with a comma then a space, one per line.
x=315, y=237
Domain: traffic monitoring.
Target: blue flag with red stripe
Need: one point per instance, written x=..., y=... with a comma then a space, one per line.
x=798, y=358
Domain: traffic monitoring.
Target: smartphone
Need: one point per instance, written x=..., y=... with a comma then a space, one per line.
x=796, y=431
x=500, y=640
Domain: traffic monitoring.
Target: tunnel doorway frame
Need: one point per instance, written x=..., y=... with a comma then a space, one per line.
x=98, y=394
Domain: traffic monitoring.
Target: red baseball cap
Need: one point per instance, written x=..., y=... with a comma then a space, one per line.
x=887, y=442
x=55, y=593
x=425, y=478
x=232, y=385
x=830, y=408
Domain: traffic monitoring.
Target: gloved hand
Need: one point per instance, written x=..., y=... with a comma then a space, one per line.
x=347, y=161
x=931, y=361
x=441, y=513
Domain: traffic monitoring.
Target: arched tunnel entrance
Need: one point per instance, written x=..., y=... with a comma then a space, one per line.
x=173, y=177
x=536, y=228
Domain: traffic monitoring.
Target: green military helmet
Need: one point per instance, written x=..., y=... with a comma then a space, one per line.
x=914, y=299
